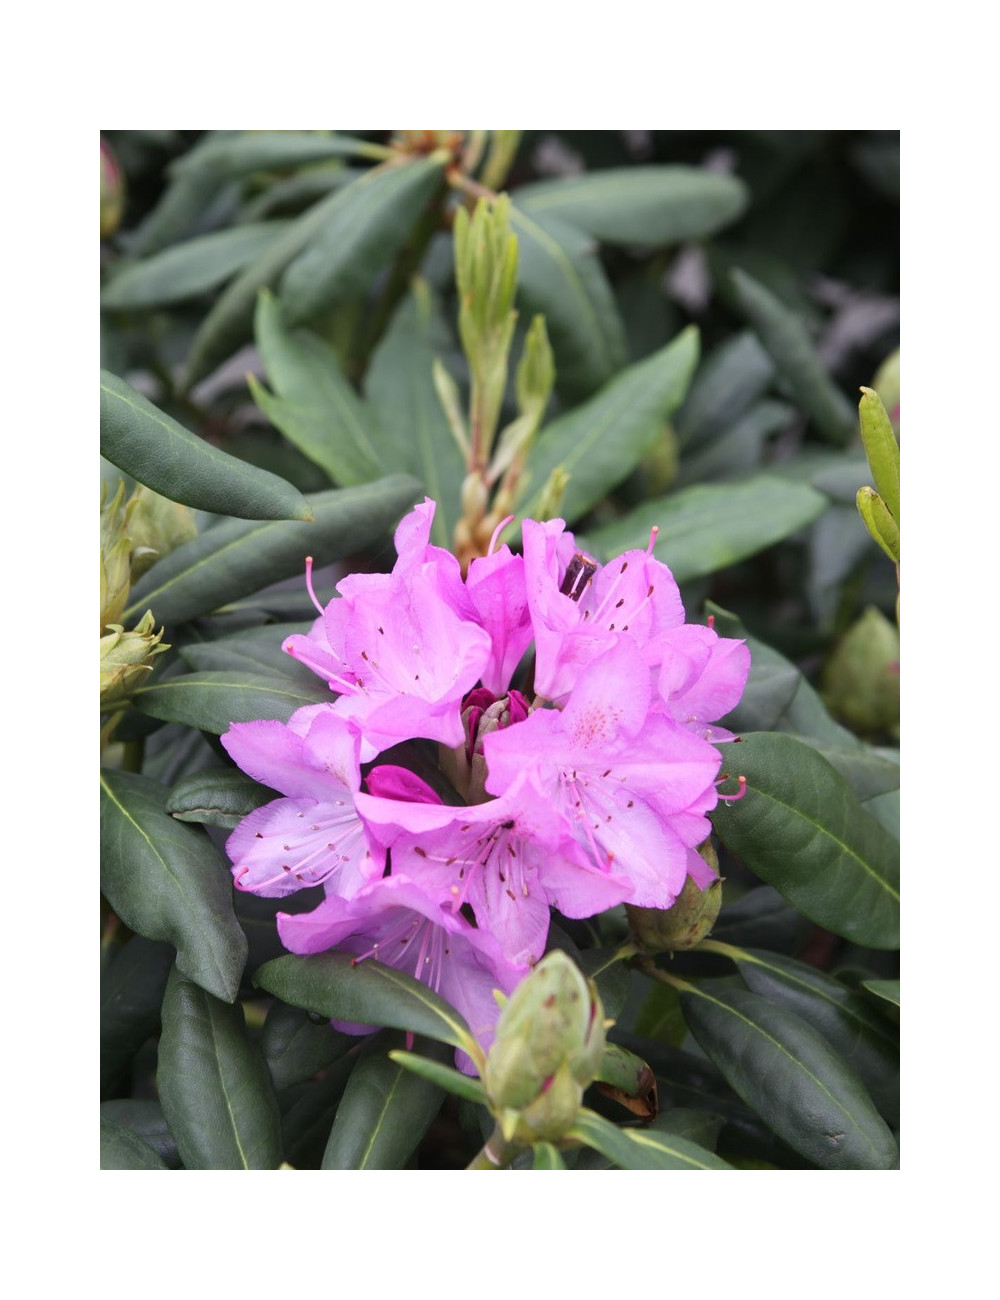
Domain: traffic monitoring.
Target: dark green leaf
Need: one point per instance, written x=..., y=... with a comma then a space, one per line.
x=189, y=269
x=245, y=152
x=217, y=797
x=740, y=450
x=844, y=1018
x=214, y=1086
x=781, y=1067
x=295, y=1047
x=601, y=442
x=560, y=276
x=254, y=650
x=211, y=701
x=611, y=976
x=384, y=1113
x=309, y=1114
x=234, y=558
x=867, y=772
x=640, y=205
x=660, y=1017
x=184, y=200
x=885, y=809
x=785, y=336
x=123, y=1149
x=131, y=993
x=331, y=985
x=165, y=881
x=733, y=377
x=415, y=431
x=367, y=223
x=630, y=1077
x=887, y=990
x=154, y=449
x=707, y=528
x=764, y=918
x=546, y=1156
x=699, y=1126
x=445, y=1076
x=801, y=829
x=146, y=1120
x=641, y=1148
x=315, y=407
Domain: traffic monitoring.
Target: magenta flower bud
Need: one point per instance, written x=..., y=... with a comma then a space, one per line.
x=112, y=192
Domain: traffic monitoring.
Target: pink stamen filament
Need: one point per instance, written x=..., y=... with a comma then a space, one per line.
x=497, y=531
x=739, y=794
x=309, y=583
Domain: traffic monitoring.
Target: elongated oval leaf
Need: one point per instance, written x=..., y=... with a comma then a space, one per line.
x=638, y=1148
x=315, y=408
x=706, y=528
x=154, y=449
x=234, y=558
x=844, y=1018
x=640, y=205
x=146, y=1120
x=366, y=225
x=733, y=376
x=214, y=1086
x=295, y=1047
x=253, y=650
x=230, y=322
x=415, y=432
x=131, y=993
x=445, y=1076
x=868, y=773
x=801, y=828
x=601, y=442
x=887, y=990
x=331, y=985
x=211, y=701
x=189, y=269
x=217, y=797
x=795, y=1081
x=121, y=1148
x=384, y=1113
x=165, y=881
x=560, y=275
x=243, y=153
x=786, y=338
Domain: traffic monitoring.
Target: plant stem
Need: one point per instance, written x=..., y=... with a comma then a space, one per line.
x=497, y=1152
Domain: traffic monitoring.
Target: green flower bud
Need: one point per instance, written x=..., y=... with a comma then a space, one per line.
x=688, y=921
x=860, y=682
x=156, y=526
x=126, y=658
x=116, y=581
x=549, y=1044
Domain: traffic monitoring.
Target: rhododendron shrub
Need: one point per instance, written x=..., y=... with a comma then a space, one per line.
x=500, y=652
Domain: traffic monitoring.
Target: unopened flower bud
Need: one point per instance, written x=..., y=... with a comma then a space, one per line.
x=112, y=192
x=549, y=1043
x=126, y=658
x=156, y=526
x=861, y=678
x=116, y=581
x=688, y=921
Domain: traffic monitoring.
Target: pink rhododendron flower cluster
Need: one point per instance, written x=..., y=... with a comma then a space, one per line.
x=590, y=790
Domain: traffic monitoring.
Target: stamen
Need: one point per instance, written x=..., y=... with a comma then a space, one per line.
x=652, y=539
x=309, y=583
x=497, y=531
x=579, y=573
x=739, y=794
x=711, y=622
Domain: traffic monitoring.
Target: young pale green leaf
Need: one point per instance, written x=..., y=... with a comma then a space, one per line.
x=331, y=985
x=188, y=269
x=801, y=828
x=211, y=701
x=445, y=1076
x=213, y=1084
x=785, y=336
x=121, y=1148
x=546, y=1156
x=315, y=407
x=561, y=277
x=401, y=388
x=640, y=1148
x=844, y=1018
x=154, y=449
x=881, y=525
x=295, y=1047
x=220, y=796
x=601, y=442
x=384, y=1113
x=707, y=528
x=367, y=223
x=795, y=1081
x=234, y=559
x=165, y=881
x=131, y=993
x=881, y=448
x=230, y=322
x=245, y=152
x=645, y=206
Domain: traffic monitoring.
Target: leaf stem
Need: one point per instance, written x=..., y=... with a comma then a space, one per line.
x=653, y=972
